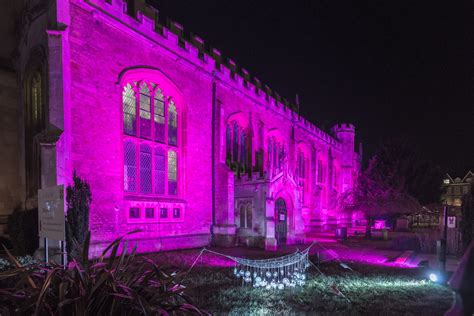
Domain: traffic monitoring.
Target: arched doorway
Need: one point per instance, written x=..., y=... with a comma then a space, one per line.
x=281, y=221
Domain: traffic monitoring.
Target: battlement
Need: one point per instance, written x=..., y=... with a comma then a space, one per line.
x=190, y=47
x=343, y=127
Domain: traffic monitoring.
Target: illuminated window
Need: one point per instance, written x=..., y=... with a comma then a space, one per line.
x=159, y=117
x=172, y=173
x=172, y=124
x=446, y=181
x=150, y=128
x=129, y=111
x=160, y=173
x=130, y=167
x=145, y=112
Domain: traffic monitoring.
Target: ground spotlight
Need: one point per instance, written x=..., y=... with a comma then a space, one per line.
x=436, y=276
x=433, y=277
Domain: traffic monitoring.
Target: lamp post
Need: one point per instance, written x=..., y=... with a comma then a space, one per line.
x=443, y=241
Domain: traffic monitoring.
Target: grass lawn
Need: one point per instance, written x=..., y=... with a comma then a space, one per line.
x=369, y=289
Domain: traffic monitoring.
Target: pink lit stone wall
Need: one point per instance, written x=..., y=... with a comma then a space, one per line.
x=100, y=51
x=106, y=45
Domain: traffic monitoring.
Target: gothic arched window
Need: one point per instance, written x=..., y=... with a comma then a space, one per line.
x=150, y=128
x=238, y=146
x=34, y=124
x=245, y=214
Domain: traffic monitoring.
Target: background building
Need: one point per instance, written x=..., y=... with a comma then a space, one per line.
x=456, y=188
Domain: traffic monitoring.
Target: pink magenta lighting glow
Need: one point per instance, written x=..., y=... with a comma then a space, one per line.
x=96, y=63
x=379, y=224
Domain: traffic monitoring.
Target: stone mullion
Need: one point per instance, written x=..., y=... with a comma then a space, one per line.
x=165, y=111
x=137, y=140
x=153, y=145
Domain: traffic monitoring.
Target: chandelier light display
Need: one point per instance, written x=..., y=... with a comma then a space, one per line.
x=276, y=273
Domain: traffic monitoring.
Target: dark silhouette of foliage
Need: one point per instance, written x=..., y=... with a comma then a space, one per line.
x=113, y=284
x=23, y=231
x=78, y=199
x=467, y=220
x=403, y=168
x=397, y=181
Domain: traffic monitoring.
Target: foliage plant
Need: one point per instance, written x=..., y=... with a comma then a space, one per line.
x=23, y=231
x=23, y=261
x=78, y=197
x=116, y=285
x=397, y=181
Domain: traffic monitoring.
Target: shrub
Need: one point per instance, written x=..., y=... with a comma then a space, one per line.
x=114, y=286
x=78, y=199
x=23, y=231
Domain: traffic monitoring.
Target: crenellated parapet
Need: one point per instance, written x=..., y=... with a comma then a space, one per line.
x=184, y=45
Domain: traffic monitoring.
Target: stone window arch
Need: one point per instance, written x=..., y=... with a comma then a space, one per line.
x=151, y=106
x=238, y=146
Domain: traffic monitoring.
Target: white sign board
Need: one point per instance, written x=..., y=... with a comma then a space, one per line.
x=51, y=206
x=451, y=221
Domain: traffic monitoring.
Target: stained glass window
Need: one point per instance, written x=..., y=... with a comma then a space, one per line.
x=172, y=124
x=151, y=126
x=145, y=168
x=145, y=112
x=130, y=167
x=160, y=176
x=159, y=116
x=172, y=173
x=129, y=111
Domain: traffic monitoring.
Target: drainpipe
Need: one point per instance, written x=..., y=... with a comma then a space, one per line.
x=213, y=155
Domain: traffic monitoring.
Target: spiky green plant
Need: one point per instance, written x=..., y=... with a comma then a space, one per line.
x=113, y=285
x=78, y=197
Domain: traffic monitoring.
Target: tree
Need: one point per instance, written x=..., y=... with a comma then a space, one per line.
x=405, y=169
x=78, y=199
x=375, y=196
x=397, y=181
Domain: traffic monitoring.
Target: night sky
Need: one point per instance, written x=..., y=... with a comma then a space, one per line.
x=393, y=68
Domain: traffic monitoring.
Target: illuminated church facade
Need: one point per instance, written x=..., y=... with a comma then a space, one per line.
x=174, y=139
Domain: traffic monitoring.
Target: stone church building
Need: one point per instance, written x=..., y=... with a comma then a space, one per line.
x=174, y=139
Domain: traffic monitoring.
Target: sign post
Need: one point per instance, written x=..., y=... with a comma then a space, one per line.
x=51, y=221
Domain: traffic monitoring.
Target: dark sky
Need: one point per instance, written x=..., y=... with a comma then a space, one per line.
x=393, y=68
